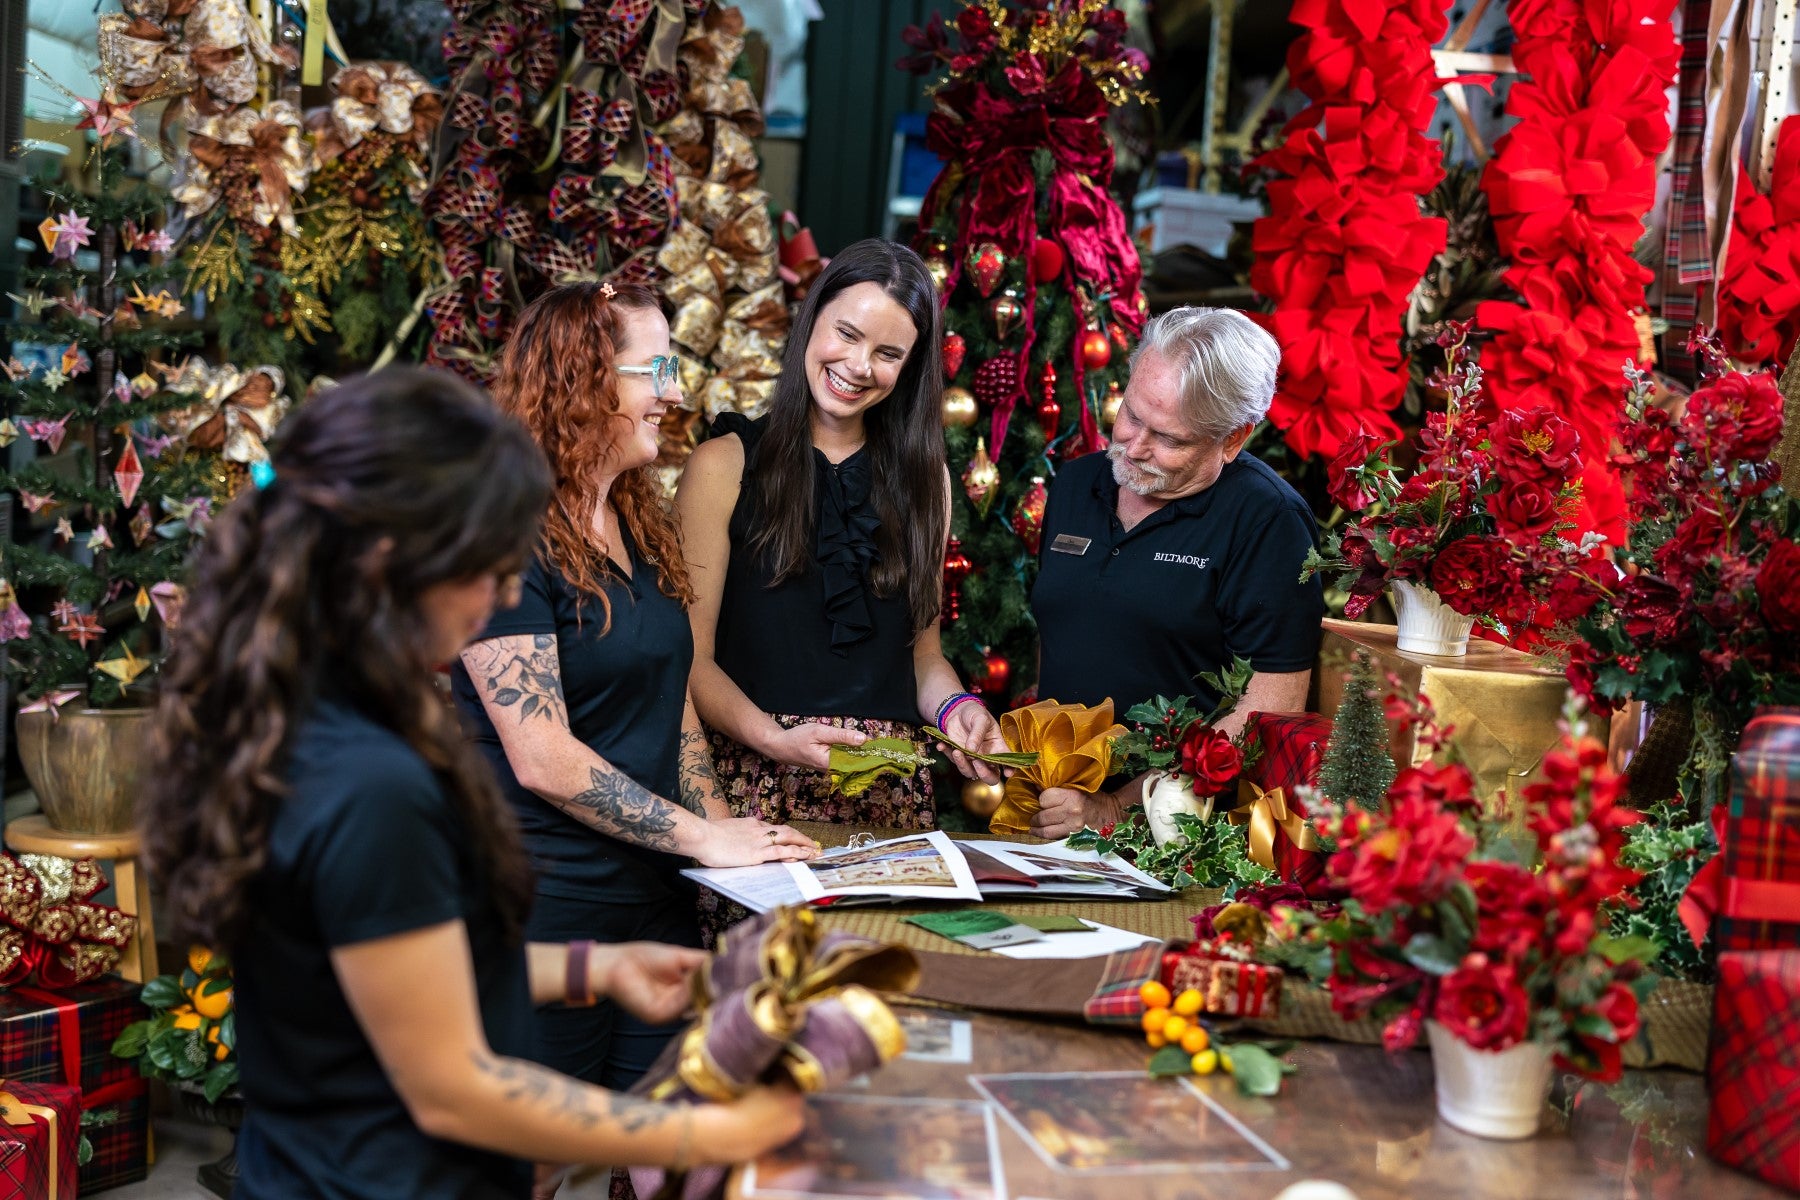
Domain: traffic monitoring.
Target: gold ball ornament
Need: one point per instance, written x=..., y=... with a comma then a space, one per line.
x=1109, y=407
x=960, y=408
x=938, y=268
x=981, y=799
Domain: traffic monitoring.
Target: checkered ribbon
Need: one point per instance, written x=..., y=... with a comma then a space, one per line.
x=1115, y=1000
x=1753, y=1067
x=1687, y=252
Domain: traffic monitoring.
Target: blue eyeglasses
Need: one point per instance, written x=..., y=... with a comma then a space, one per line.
x=662, y=370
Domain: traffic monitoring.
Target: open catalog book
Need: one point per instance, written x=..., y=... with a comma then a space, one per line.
x=930, y=866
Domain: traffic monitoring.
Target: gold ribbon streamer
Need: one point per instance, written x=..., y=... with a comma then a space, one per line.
x=1265, y=812
x=1074, y=748
x=15, y=1111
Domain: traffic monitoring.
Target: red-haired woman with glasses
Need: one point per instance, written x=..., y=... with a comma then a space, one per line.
x=578, y=694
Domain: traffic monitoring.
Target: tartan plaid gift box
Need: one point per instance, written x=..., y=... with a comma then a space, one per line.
x=1753, y=1068
x=40, y=1132
x=1759, y=882
x=66, y=1037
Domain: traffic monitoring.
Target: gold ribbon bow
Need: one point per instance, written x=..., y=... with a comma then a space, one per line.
x=267, y=142
x=1265, y=812
x=388, y=96
x=797, y=970
x=16, y=1112
x=1074, y=748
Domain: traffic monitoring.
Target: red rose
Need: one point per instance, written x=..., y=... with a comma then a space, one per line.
x=1697, y=539
x=1355, y=453
x=1651, y=608
x=1525, y=508
x=1210, y=757
x=1475, y=576
x=974, y=23
x=1482, y=1003
x=1511, y=909
x=1778, y=587
x=1536, y=443
x=1601, y=1058
x=1736, y=417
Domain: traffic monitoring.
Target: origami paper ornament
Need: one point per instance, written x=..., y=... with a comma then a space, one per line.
x=99, y=539
x=121, y=388
x=142, y=604
x=168, y=599
x=16, y=370
x=65, y=530
x=63, y=611
x=51, y=433
x=142, y=525
x=51, y=702
x=143, y=384
x=33, y=302
x=48, y=231
x=129, y=473
x=72, y=233
x=53, y=379
x=36, y=503
x=75, y=362
x=9, y=433
x=107, y=116
x=84, y=628
x=15, y=625
x=126, y=667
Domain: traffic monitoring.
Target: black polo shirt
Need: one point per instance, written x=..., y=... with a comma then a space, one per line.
x=1131, y=614
x=625, y=691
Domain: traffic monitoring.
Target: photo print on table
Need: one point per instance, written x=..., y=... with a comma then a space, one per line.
x=934, y=1038
x=1125, y=1123
x=924, y=865
x=892, y=1147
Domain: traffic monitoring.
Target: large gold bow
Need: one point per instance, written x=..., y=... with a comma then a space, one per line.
x=1266, y=812
x=388, y=96
x=233, y=411
x=265, y=144
x=782, y=996
x=1074, y=748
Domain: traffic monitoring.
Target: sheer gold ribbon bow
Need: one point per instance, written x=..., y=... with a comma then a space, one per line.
x=1074, y=748
x=1266, y=812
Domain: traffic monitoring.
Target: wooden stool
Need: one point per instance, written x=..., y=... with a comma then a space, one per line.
x=131, y=887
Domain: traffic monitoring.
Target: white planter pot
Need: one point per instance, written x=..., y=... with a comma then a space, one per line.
x=1166, y=794
x=1427, y=625
x=1489, y=1093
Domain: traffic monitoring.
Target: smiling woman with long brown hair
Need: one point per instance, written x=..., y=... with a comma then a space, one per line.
x=316, y=811
x=578, y=695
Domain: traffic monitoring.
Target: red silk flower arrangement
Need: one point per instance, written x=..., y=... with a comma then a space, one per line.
x=1488, y=489
x=1448, y=918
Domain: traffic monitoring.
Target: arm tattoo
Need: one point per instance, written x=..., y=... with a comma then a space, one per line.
x=618, y=805
x=696, y=767
x=531, y=1084
x=530, y=683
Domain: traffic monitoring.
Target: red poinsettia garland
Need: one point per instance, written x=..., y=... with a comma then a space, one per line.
x=1344, y=243
x=1759, y=292
x=1568, y=188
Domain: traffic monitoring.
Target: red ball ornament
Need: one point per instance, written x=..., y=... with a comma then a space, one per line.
x=954, y=350
x=1096, y=350
x=995, y=675
x=997, y=380
x=1046, y=260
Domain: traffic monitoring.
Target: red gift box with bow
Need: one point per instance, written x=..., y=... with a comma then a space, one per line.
x=1293, y=749
x=1222, y=971
x=40, y=1132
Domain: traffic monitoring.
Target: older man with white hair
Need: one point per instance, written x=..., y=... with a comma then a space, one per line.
x=1176, y=552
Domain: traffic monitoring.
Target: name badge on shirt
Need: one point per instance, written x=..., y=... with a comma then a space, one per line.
x=1068, y=543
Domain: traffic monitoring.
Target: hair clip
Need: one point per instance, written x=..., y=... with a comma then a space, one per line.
x=262, y=474
x=607, y=290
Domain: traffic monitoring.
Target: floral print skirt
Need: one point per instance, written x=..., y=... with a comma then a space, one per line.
x=756, y=786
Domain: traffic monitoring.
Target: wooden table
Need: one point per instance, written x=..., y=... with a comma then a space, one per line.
x=1352, y=1114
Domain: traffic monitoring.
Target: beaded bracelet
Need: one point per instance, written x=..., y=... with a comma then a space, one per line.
x=949, y=706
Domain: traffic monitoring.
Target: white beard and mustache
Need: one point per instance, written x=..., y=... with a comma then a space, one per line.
x=1136, y=479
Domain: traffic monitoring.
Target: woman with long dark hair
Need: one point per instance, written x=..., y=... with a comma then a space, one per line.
x=318, y=812
x=578, y=695
x=815, y=538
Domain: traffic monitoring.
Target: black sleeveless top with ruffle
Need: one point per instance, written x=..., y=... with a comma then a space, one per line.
x=820, y=643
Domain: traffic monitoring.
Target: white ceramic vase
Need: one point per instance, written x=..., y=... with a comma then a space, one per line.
x=1168, y=793
x=1490, y=1093
x=1427, y=625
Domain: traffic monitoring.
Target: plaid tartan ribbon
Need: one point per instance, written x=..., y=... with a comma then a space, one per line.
x=1753, y=1067
x=1115, y=1000
x=1687, y=252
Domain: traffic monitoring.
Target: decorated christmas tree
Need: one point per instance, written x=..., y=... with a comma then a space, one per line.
x=1040, y=286
x=1357, y=767
x=89, y=587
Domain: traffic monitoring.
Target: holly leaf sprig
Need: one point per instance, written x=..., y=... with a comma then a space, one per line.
x=1159, y=725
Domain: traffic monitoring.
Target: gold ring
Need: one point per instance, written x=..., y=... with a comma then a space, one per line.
x=772, y=835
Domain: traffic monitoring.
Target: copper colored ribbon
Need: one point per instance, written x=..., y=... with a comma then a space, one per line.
x=1265, y=813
